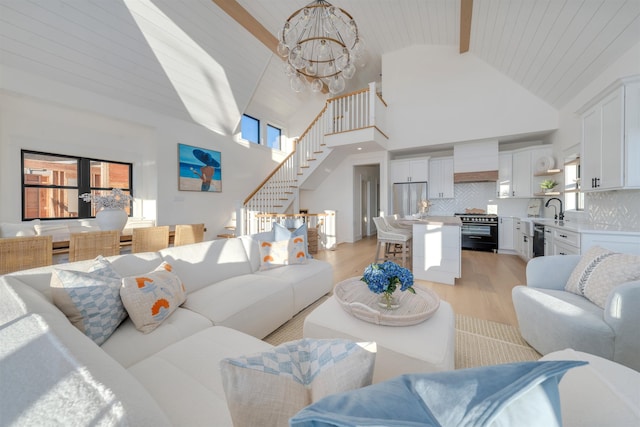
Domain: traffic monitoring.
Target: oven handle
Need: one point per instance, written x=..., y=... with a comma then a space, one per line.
x=474, y=237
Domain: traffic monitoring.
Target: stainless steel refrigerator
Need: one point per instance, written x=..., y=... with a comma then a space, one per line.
x=407, y=196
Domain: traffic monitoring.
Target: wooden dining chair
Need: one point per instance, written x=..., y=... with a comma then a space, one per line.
x=149, y=239
x=91, y=244
x=22, y=253
x=187, y=234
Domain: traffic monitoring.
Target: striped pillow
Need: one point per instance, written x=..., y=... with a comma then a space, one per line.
x=599, y=271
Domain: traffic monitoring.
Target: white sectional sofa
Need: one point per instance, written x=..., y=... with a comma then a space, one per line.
x=169, y=376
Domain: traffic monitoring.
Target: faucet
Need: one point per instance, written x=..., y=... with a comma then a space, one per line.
x=560, y=215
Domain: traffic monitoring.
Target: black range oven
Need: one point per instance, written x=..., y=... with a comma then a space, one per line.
x=479, y=232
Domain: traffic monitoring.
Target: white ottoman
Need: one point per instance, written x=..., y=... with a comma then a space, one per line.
x=426, y=347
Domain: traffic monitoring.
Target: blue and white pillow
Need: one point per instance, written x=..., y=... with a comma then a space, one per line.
x=516, y=394
x=268, y=388
x=91, y=300
x=281, y=233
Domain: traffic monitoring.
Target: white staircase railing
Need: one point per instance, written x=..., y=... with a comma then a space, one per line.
x=279, y=190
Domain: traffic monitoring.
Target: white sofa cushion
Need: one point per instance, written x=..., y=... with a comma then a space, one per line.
x=602, y=393
x=250, y=303
x=20, y=229
x=190, y=383
x=128, y=345
x=202, y=264
x=43, y=354
x=309, y=281
x=58, y=232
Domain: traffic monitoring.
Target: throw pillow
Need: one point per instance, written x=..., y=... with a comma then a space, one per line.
x=285, y=252
x=151, y=298
x=599, y=271
x=22, y=229
x=91, y=300
x=516, y=394
x=57, y=232
x=280, y=232
x=268, y=388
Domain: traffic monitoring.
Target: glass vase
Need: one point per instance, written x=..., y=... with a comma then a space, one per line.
x=388, y=301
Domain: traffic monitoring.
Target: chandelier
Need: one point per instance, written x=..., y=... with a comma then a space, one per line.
x=321, y=44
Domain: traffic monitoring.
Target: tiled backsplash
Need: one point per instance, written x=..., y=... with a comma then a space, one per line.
x=469, y=195
x=620, y=208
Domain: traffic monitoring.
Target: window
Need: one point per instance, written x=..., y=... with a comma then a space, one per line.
x=250, y=129
x=273, y=137
x=52, y=183
x=573, y=197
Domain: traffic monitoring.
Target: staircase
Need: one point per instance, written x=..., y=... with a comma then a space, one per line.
x=353, y=118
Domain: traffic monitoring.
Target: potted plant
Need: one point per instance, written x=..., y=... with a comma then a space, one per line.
x=548, y=185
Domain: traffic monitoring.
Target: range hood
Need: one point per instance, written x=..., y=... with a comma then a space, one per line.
x=475, y=162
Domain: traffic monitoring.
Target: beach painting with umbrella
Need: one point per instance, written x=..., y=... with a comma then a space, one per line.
x=200, y=169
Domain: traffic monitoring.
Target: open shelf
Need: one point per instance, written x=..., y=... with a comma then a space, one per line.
x=548, y=172
x=551, y=193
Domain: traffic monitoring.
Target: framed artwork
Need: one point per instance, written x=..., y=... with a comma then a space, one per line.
x=199, y=169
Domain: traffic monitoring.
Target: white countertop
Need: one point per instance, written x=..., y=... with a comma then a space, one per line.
x=585, y=227
x=433, y=220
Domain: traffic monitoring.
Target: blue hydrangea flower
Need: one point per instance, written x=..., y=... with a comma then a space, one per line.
x=386, y=277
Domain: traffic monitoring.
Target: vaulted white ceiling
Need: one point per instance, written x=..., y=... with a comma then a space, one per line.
x=189, y=59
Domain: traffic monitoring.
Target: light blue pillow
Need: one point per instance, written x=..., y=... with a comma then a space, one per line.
x=516, y=394
x=91, y=300
x=280, y=232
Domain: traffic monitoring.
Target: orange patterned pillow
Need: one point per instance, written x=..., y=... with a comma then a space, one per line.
x=151, y=298
x=284, y=252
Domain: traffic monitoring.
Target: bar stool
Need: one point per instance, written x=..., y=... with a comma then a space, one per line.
x=393, y=244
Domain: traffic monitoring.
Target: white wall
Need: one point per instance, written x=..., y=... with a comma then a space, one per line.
x=40, y=114
x=339, y=192
x=436, y=96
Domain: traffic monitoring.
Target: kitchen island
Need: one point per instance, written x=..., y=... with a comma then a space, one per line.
x=436, y=248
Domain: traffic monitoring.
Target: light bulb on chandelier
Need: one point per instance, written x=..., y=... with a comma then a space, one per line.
x=322, y=47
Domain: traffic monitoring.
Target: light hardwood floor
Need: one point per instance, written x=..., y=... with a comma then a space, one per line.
x=484, y=291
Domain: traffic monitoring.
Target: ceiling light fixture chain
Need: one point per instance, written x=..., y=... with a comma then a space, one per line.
x=321, y=44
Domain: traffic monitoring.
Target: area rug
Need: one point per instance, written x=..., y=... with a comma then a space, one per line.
x=478, y=342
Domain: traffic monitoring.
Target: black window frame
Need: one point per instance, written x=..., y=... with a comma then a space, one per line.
x=84, y=184
x=258, y=126
x=270, y=126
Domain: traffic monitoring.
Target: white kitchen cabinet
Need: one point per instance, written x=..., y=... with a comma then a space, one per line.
x=625, y=243
x=521, y=174
x=437, y=252
x=506, y=243
x=505, y=175
x=548, y=241
x=441, y=178
x=409, y=170
x=611, y=138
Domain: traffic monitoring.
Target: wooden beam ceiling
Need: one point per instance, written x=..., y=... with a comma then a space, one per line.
x=466, y=8
x=242, y=17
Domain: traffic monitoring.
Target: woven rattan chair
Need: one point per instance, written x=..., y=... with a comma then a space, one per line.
x=21, y=253
x=90, y=245
x=187, y=234
x=149, y=239
x=395, y=245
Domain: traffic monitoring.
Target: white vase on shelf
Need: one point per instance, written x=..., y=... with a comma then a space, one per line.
x=111, y=219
